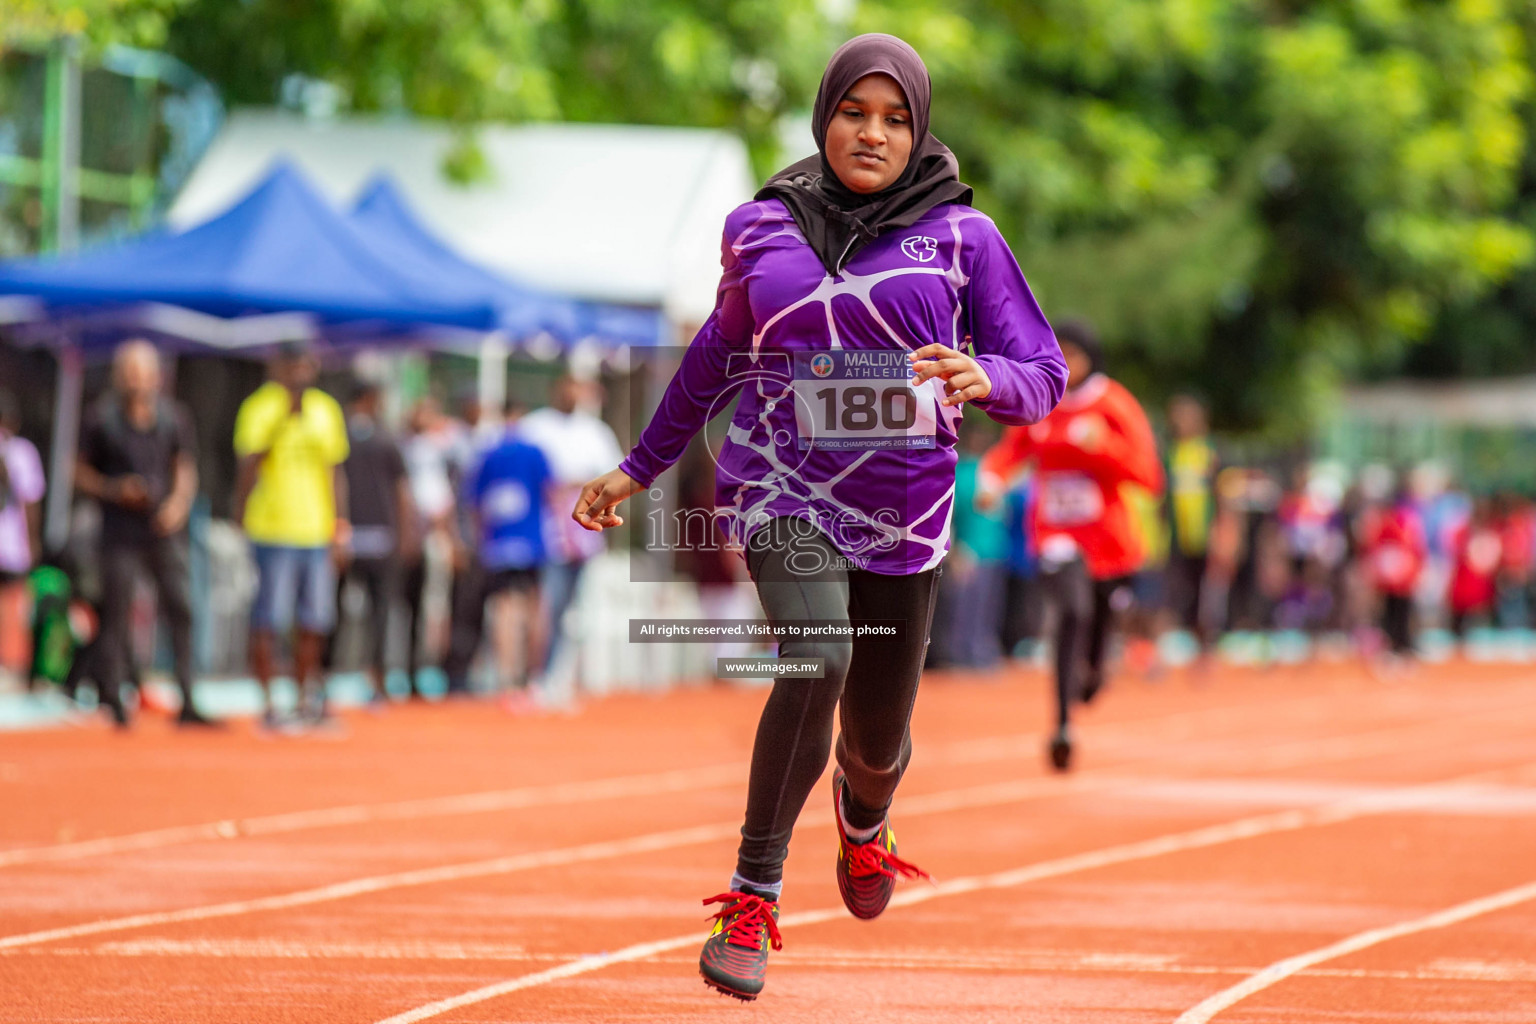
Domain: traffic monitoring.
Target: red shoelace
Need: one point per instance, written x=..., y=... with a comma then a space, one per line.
x=872, y=858
x=751, y=912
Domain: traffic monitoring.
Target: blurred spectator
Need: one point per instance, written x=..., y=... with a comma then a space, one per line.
x=1225, y=547
x=383, y=518
x=22, y=487
x=1192, y=468
x=719, y=571
x=578, y=446
x=138, y=460
x=471, y=436
x=973, y=588
x=291, y=439
x=506, y=494
x=428, y=453
x=1262, y=568
x=1394, y=542
x=1518, y=540
x=1478, y=551
x=1143, y=617
x=1024, y=607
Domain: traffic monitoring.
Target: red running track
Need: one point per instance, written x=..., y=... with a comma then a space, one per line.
x=1291, y=846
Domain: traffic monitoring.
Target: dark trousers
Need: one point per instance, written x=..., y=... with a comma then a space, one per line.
x=1022, y=610
x=380, y=580
x=872, y=682
x=1396, y=622
x=415, y=588
x=1085, y=608
x=166, y=561
x=467, y=599
x=558, y=581
x=1186, y=586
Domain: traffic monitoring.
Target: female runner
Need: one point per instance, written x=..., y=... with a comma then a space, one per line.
x=853, y=286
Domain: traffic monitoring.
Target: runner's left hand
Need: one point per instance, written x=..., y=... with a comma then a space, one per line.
x=964, y=379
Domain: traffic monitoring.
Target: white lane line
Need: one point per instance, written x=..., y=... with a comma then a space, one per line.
x=1200, y=838
x=961, y=752
x=1423, y=797
x=1280, y=970
x=980, y=961
x=931, y=803
x=379, y=883
x=681, y=780
x=677, y=781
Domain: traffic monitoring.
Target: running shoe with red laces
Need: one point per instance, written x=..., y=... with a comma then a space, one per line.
x=867, y=872
x=735, y=956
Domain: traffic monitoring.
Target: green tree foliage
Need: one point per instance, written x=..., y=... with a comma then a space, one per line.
x=1256, y=199
x=100, y=22
x=740, y=65
x=1253, y=198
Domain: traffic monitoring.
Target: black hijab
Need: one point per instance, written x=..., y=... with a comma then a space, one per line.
x=837, y=221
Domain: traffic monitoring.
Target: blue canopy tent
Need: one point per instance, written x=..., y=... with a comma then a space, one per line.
x=281, y=250
x=279, y=265
x=382, y=214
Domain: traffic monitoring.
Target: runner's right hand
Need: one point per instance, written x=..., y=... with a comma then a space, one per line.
x=595, y=508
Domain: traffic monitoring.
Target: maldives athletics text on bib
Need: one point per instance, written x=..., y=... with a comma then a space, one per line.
x=861, y=398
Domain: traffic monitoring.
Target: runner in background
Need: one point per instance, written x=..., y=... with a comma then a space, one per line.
x=1096, y=440
x=837, y=336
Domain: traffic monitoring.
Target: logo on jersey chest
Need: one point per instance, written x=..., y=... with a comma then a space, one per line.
x=921, y=248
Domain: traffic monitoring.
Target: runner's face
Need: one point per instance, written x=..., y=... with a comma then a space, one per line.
x=1079, y=366
x=869, y=139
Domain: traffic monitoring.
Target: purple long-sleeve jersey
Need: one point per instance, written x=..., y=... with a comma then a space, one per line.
x=828, y=427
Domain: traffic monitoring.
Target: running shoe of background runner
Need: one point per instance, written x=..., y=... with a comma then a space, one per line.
x=1061, y=750
x=1093, y=682
x=867, y=872
x=735, y=956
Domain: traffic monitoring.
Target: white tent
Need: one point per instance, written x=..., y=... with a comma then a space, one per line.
x=617, y=213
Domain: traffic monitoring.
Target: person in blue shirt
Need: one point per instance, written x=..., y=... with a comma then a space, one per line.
x=504, y=492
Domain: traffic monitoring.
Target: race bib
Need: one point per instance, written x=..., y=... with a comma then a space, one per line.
x=1070, y=499
x=861, y=399
x=1394, y=564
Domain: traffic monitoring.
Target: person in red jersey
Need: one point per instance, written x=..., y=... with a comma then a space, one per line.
x=1395, y=552
x=1095, y=441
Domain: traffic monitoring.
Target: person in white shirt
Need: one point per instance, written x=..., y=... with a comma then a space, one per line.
x=428, y=452
x=578, y=446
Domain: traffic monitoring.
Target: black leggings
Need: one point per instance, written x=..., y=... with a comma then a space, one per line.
x=1397, y=622
x=800, y=576
x=1086, y=611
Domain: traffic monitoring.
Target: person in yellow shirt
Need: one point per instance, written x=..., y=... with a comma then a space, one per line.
x=290, y=496
x=1192, y=468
